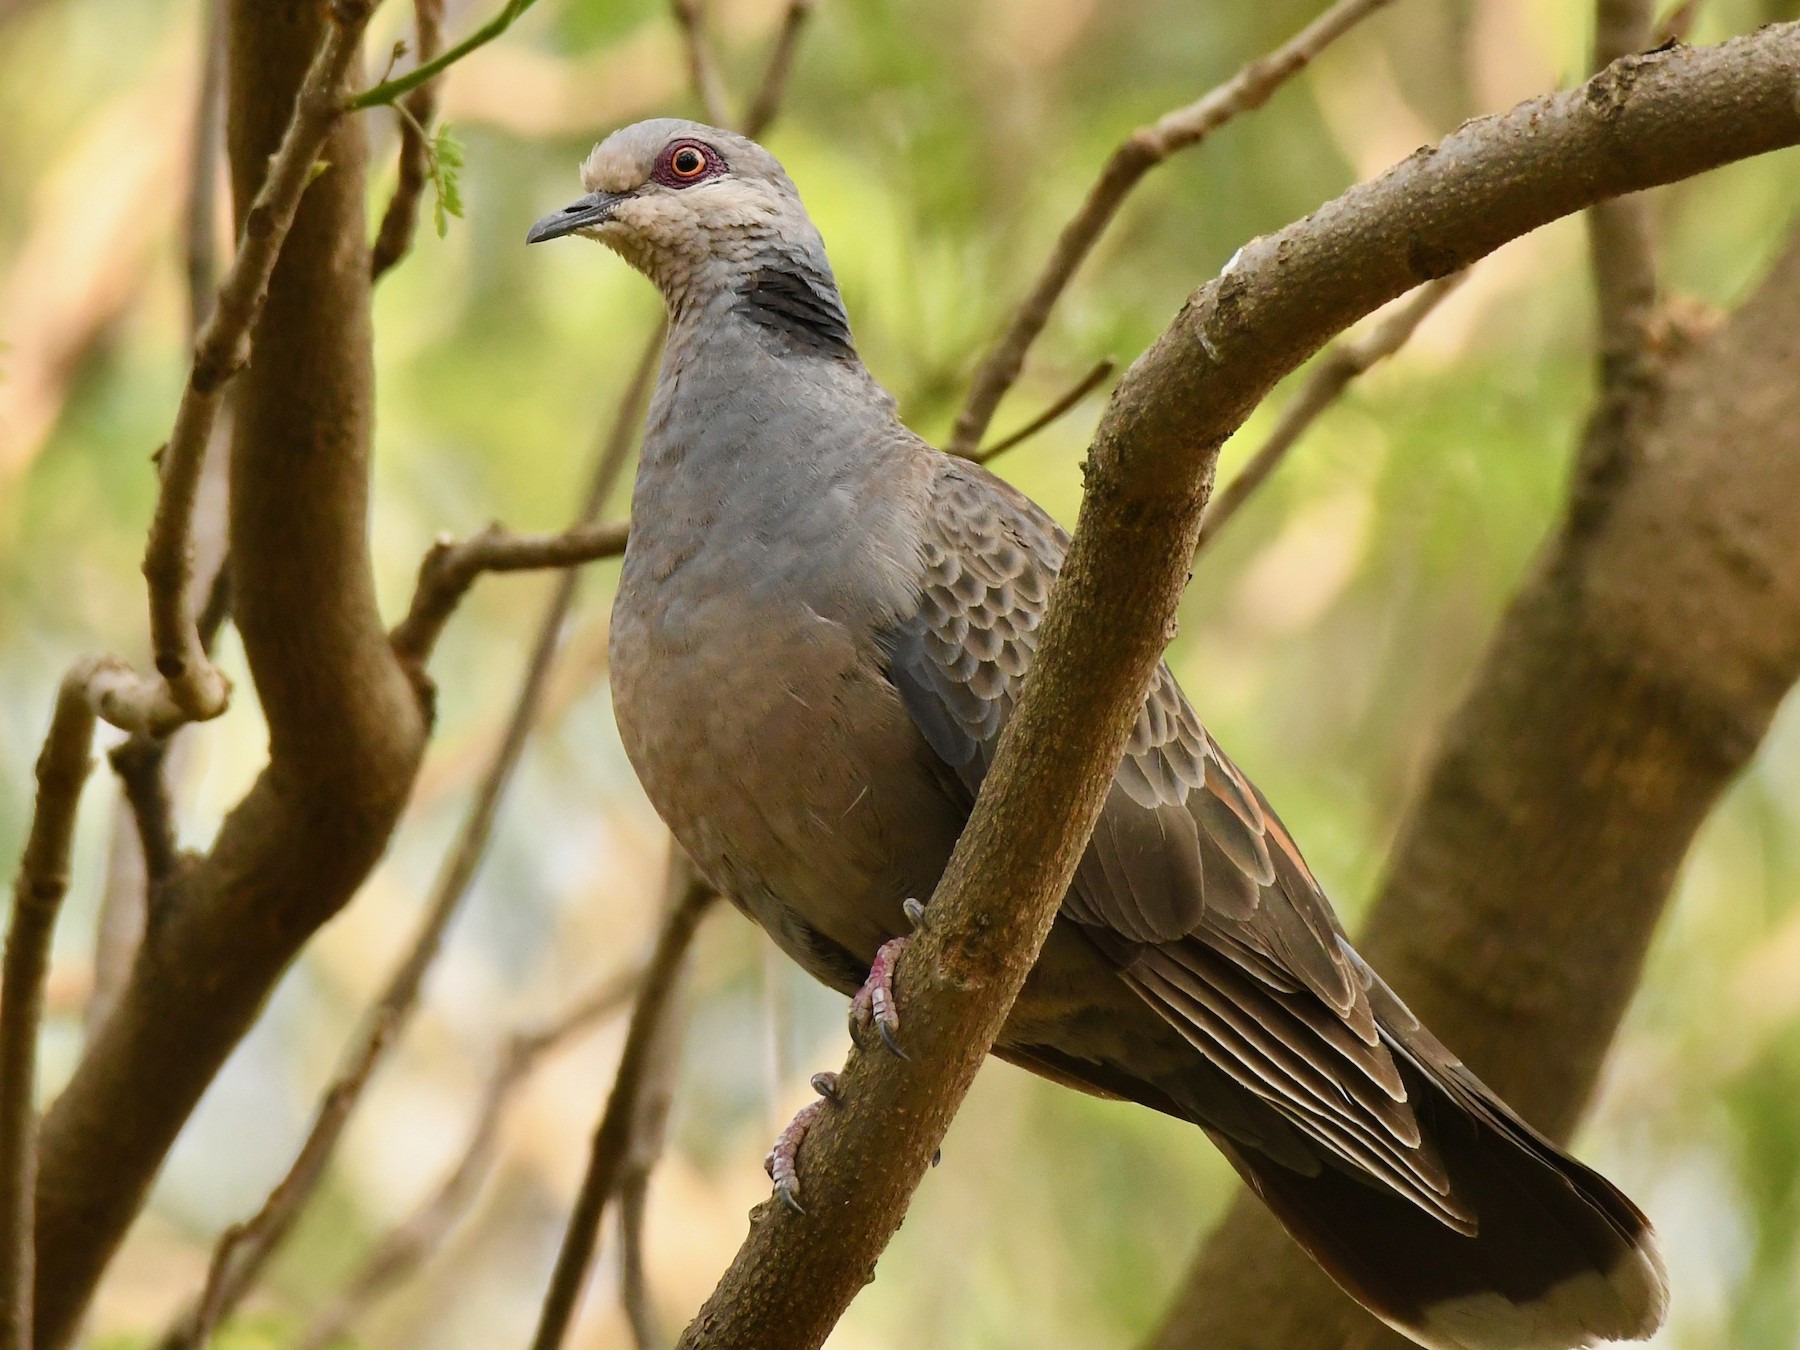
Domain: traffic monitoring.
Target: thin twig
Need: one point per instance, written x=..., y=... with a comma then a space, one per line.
x=38, y=891
x=191, y=688
x=142, y=851
x=703, y=67
x=138, y=762
x=419, y=108
x=1140, y=152
x=1083, y=387
x=689, y=899
x=634, y=1280
x=245, y=1249
x=451, y=567
x=1330, y=377
x=649, y=1132
x=387, y=91
x=773, y=91
x=201, y=232
x=412, y=1242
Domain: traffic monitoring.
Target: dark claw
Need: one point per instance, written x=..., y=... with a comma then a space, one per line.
x=887, y=1036
x=779, y=1163
x=874, y=1002
x=937, y=1156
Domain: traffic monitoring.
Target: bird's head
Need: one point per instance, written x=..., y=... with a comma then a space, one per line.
x=690, y=206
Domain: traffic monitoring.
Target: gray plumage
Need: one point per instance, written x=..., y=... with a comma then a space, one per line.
x=821, y=627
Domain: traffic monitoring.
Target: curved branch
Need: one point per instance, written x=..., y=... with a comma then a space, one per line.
x=451, y=567
x=1643, y=122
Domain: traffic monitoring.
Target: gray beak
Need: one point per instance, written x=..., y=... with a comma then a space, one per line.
x=593, y=209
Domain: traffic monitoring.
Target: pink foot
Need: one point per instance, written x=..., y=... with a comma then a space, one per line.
x=779, y=1163
x=874, y=1002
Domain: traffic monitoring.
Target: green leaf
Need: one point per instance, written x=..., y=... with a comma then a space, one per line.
x=444, y=159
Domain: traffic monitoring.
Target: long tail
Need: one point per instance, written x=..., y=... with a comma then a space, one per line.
x=1560, y=1259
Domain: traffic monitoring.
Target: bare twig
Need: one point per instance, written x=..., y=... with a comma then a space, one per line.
x=689, y=899
x=38, y=890
x=769, y=95
x=1653, y=119
x=1333, y=374
x=451, y=567
x=418, y=109
x=138, y=762
x=1083, y=387
x=142, y=847
x=634, y=1282
x=191, y=688
x=245, y=1249
x=703, y=67
x=410, y=1243
x=649, y=1131
x=388, y=91
x=1140, y=152
x=201, y=232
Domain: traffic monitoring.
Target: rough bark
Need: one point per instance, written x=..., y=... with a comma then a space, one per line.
x=1631, y=679
x=1645, y=121
x=345, y=725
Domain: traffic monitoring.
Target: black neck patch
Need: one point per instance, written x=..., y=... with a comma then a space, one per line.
x=800, y=304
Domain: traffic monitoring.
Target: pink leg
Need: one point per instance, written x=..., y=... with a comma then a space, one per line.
x=780, y=1163
x=874, y=1002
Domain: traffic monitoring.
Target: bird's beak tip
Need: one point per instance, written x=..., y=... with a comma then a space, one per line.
x=593, y=209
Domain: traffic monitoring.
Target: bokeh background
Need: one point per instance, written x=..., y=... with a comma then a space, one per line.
x=940, y=144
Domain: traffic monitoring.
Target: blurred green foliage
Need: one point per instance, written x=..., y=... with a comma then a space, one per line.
x=940, y=146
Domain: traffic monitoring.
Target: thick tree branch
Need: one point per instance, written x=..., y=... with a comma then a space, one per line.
x=646, y=1041
x=1334, y=373
x=345, y=723
x=1646, y=121
x=1140, y=152
x=38, y=891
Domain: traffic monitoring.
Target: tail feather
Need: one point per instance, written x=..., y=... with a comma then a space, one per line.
x=1560, y=1258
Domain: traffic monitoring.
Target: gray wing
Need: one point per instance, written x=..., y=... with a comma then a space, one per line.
x=1190, y=886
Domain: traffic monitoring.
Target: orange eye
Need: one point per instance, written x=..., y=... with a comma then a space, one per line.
x=687, y=162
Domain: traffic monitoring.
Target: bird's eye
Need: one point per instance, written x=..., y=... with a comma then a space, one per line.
x=687, y=162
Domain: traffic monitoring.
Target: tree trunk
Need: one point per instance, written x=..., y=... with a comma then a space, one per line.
x=346, y=727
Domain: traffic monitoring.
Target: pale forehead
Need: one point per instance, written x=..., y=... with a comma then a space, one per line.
x=624, y=160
